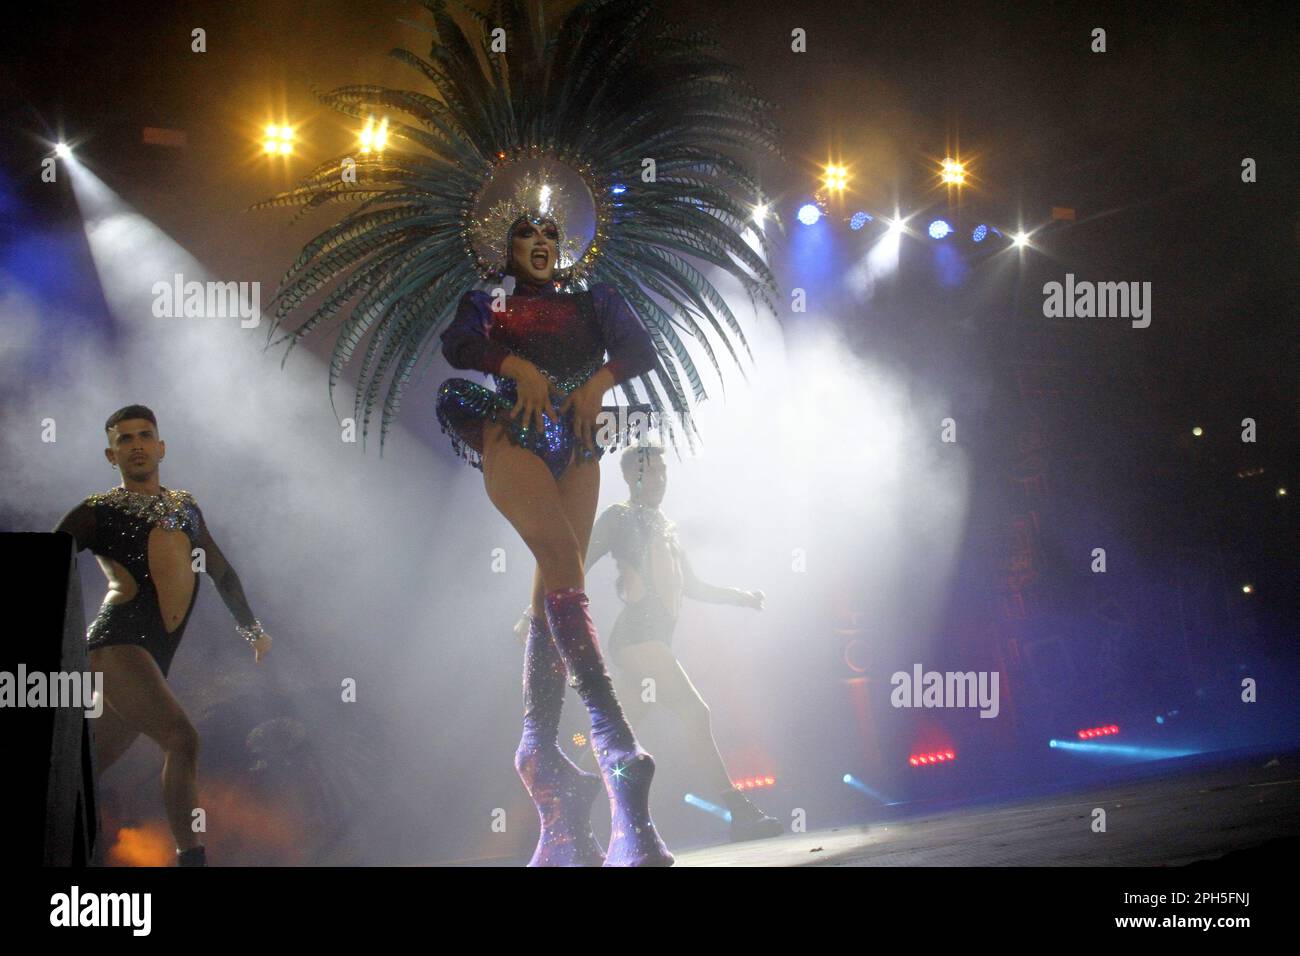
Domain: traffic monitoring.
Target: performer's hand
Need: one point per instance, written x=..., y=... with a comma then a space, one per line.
x=754, y=599
x=523, y=624
x=585, y=402
x=260, y=647
x=533, y=397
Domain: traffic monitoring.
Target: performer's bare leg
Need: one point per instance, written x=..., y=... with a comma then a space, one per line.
x=579, y=489
x=135, y=688
x=112, y=737
x=674, y=690
x=523, y=489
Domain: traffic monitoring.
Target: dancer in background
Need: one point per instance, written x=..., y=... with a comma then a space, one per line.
x=148, y=538
x=654, y=576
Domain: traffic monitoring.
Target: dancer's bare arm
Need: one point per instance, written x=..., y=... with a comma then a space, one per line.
x=699, y=590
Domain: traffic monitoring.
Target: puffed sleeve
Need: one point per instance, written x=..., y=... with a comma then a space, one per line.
x=465, y=342
x=81, y=524
x=631, y=350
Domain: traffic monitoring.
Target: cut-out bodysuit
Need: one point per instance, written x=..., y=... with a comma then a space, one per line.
x=644, y=543
x=654, y=573
x=117, y=525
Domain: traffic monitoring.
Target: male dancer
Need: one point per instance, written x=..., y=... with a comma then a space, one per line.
x=654, y=575
x=150, y=541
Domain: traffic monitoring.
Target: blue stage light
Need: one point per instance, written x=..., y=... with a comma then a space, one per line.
x=618, y=189
x=809, y=214
x=708, y=807
x=859, y=220
x=939, y=229
x=980, y=232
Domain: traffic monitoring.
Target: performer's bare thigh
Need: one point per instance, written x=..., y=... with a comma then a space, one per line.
x=137, y=692
x=579, y=488
x=112, y=737
x=656, y=661
x=523, y=489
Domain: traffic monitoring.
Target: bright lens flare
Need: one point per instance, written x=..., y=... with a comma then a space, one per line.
x=953, y=172
x=835, y=177
x=374, y=137
x=278, y=139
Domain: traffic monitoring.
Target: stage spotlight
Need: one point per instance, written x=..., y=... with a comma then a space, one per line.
x=760, y=213
x=708, y=807
x=62, y=150
x=835, y=177
x=859, y=220
x=896, y=226
x=954, y=172
x=1198, y=431
x=1247, y=589
x=374, y=138
x=939, y=228
x=278, y=139
x=1281, y=492
x=1090, y=732
x=1020, y=240
x=979, y=233
x=809, y=214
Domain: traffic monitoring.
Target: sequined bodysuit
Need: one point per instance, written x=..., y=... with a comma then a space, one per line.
x=643, y=540
x=117, y=525
x=565, y=335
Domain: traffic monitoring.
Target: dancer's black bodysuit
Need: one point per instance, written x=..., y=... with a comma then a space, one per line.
x=116, y=525
x=643, y=540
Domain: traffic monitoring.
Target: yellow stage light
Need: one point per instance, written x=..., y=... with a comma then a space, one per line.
x=278, y=139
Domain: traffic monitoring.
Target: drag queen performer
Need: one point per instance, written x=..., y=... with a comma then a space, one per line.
x=540, y=467
x=144, y=537
x=621, y=121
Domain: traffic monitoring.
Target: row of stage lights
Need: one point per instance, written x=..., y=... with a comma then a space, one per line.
x=952, y=173
x=373, y=137
x=277, y=139
x=810, y=214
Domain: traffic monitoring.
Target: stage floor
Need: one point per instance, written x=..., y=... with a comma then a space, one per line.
x=1169, y=820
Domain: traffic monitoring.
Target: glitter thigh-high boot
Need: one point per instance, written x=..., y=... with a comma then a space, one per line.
x=626, y=768
x=562, y=793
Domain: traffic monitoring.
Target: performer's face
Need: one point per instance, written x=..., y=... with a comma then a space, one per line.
x=134, y=446
x=653, y=480
x=535, y=250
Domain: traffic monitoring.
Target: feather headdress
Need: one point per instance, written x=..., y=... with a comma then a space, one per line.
x=649, y=118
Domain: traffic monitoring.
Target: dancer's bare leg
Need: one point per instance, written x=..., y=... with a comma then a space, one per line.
x=673, y=689
x=579, y=488
x=112, y=738
x=523, y=489
x=135, y=688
